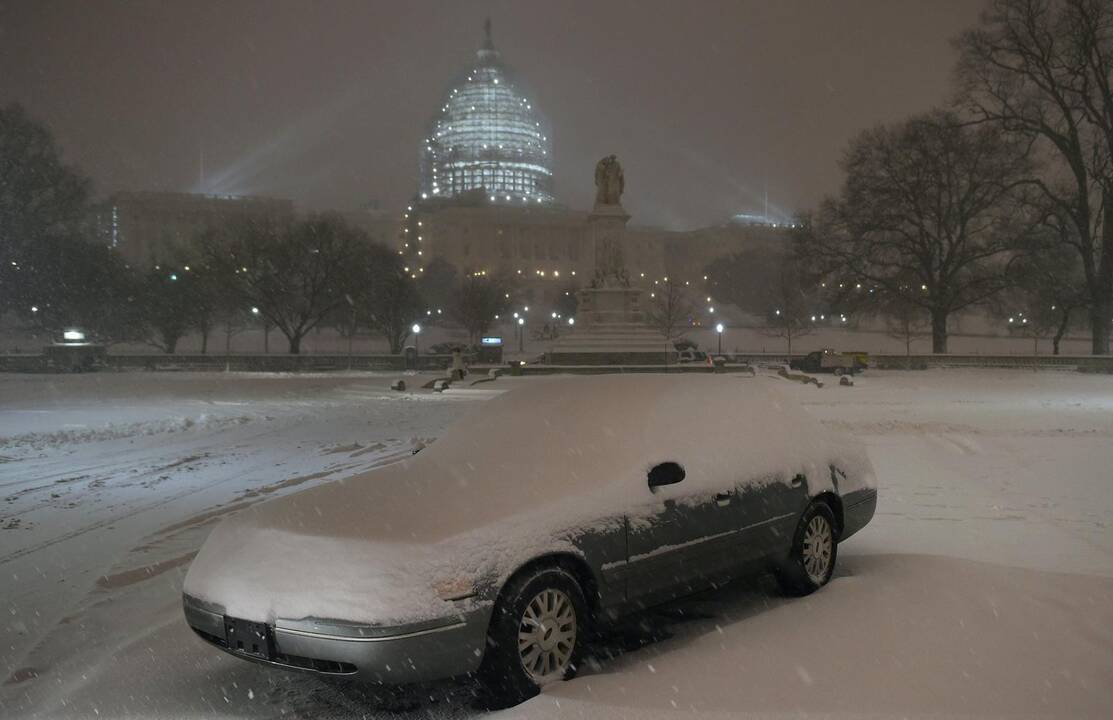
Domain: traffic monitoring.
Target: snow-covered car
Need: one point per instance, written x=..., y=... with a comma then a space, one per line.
x=828, y=360
x=557, y=505
x=692, y=356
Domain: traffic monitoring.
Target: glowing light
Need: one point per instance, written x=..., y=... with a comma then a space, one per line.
x=416, y=329
x=719, y=328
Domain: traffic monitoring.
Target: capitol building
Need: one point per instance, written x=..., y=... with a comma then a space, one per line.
x=487, y=203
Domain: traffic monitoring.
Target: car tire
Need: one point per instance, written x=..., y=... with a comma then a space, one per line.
x=815, y=548
x=536, y=636
x=839, y=371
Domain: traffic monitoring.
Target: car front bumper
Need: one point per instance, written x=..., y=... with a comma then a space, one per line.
x=415, y=652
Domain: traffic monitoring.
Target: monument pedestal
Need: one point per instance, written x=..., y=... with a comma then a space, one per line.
x=611, y=329
x=611, y=325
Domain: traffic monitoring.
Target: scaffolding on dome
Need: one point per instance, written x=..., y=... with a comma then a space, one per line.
x=488, y=136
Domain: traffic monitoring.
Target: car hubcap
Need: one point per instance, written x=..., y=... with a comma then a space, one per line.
x=547, y=636
x=818, y=542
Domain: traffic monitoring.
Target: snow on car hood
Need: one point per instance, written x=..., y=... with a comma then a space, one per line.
x=518, y=477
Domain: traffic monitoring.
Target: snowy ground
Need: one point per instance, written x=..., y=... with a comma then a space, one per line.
x=984, y=586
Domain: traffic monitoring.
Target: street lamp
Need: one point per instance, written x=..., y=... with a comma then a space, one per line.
x=521, y=333
x=416, y=331
x=266, y=331
x=719, y=329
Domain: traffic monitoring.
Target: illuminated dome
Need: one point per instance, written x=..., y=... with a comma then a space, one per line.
x=488, y=136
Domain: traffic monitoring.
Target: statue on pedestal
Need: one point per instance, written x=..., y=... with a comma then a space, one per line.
x=609, y=182
x=608, y=221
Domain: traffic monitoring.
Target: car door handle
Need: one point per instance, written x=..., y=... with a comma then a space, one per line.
x=722, y=499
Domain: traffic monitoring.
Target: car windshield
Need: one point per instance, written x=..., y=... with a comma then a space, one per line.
x=588, y=359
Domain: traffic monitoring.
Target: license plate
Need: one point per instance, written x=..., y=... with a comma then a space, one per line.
x=248, y=638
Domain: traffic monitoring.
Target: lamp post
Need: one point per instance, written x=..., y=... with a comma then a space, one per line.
x=417, y=332
x=521, y=333
x=266, y=331
x=719, y=329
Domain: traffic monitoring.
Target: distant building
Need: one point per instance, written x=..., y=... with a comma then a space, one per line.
x=486, y=202
x=145, y=227
x=380, y=226
x=549, y=249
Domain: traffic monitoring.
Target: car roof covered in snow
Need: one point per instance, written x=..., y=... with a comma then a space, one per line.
x=581, y=446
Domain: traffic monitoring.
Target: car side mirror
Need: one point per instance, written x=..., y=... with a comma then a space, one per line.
x=667, y=473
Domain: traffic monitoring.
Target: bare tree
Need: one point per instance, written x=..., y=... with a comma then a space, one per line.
x=792, y=308
x=296, y=274
x=905, y=321
x=1047, y=295
x=387, y=298
x=670, y=307
x=478, y=298
x=165, y=305
x=771, y=285
x=1042, y=70
x=929, y=199
x=39, y=195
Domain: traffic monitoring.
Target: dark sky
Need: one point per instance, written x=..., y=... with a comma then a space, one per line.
x=326, y=102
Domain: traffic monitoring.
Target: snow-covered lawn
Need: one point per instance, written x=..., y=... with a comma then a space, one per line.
x=984, y=585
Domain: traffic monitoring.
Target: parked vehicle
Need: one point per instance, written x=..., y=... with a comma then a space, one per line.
x=829, y=361
x=692, y=356
x=556, y=506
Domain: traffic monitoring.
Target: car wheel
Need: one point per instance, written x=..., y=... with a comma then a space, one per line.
x=839, y=371
x=536, y=636
x=814, y=551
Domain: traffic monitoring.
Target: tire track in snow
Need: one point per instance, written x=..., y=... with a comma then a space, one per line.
x=105, y=522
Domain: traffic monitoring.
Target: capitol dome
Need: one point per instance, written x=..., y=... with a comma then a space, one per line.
x=488, y=136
